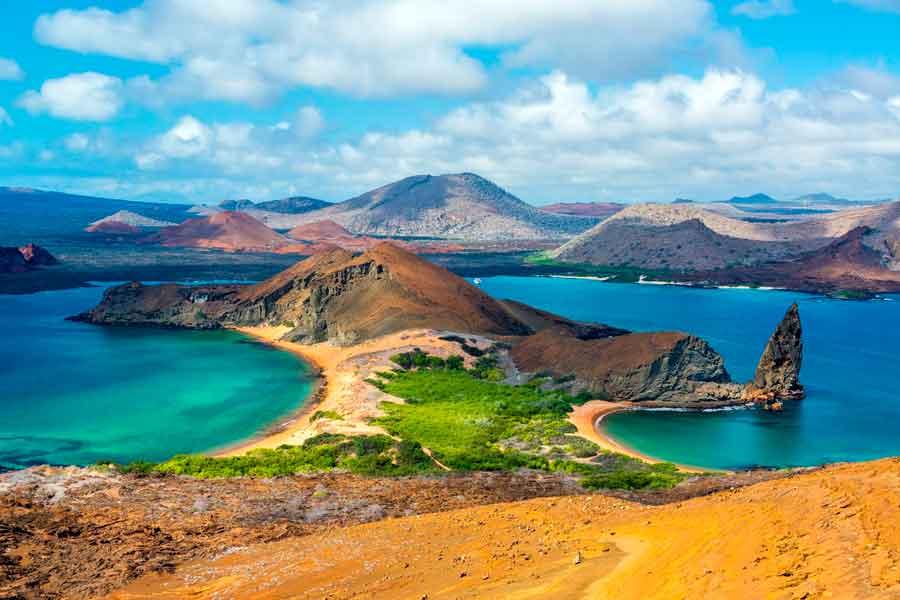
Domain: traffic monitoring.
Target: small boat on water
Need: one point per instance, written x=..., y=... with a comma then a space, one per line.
x=476, y=281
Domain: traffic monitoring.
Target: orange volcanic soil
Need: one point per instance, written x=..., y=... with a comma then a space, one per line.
x=829, y=533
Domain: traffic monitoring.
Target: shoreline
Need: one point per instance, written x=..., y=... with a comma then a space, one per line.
x=588, y=417
x=288, y=422
x=337, y=371
x=342, y=389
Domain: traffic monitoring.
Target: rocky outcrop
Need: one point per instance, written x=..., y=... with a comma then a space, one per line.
x=668, y=367
x=335, y=296
x=778, y=372
x=24, y=258
x=663, y=369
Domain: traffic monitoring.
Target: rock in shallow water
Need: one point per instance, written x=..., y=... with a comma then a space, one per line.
x=778, y=372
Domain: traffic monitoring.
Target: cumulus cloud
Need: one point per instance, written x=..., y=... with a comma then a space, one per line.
x=764, y=9
x=559, y=137
x=251, y=50
x=10, y=70
x=80, y=96
x=5, y=119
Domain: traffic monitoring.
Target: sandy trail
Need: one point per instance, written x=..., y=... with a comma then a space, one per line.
x=829, y=533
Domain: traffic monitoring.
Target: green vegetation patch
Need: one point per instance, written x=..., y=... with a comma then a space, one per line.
x=466, y=418
x=326, y=414
x=364, y=455
x=469, y=421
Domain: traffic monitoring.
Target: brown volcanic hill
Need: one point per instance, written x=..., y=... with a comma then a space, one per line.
x=825, y=533
x=646, y=234
x=226, y=230
x=847, y=263
x=584, y=209
x=461, y=206
x=685, y=245
x=334, y=296
x=319, y=230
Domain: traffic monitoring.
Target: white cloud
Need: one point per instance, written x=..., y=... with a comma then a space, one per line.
x=77, y=142
x=876, y=82
x=764, y=9
x=876, y=5
x=10, y=70
x=251, y=50
x=560, y=138
x=5, y=119
x=81, y=97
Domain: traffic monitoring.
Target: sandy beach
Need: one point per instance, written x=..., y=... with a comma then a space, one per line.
x=587, y=418
x=342, y=389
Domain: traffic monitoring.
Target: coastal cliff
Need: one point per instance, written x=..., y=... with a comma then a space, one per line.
x=347, y=299
x=667, y=367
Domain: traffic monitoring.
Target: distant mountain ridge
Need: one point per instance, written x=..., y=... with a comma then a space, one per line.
x=461, y=206
x=290, y=206
x=753, y=199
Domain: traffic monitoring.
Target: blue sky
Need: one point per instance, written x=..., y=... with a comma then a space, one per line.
x=625, y=100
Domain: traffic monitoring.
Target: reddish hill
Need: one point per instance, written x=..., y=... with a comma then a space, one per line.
x=113, y=227
x=584, y=209
x=226, y=230
x=324, y=236
x=319, y=230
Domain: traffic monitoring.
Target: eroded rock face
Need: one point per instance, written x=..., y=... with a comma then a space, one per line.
x=668, y=367
x=778, y=372
x=336, y=297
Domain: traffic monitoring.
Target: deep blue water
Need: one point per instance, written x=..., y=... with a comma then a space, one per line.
x=72, y=393
x=851, y=370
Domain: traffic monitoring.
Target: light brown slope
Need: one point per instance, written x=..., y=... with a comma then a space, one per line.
x=662, y=236
x=829, y=533
x=349, y=298
x=226, y=230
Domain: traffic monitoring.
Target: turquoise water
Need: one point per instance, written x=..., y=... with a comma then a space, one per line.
x=851, y=370
x=72, y=393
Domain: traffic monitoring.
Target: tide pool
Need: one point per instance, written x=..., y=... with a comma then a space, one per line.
x=72, y=393
x=850, y=370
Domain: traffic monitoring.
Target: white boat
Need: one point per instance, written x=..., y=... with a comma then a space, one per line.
x=476, y=281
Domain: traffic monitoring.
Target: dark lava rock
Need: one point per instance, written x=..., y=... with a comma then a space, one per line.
x=778, y=372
